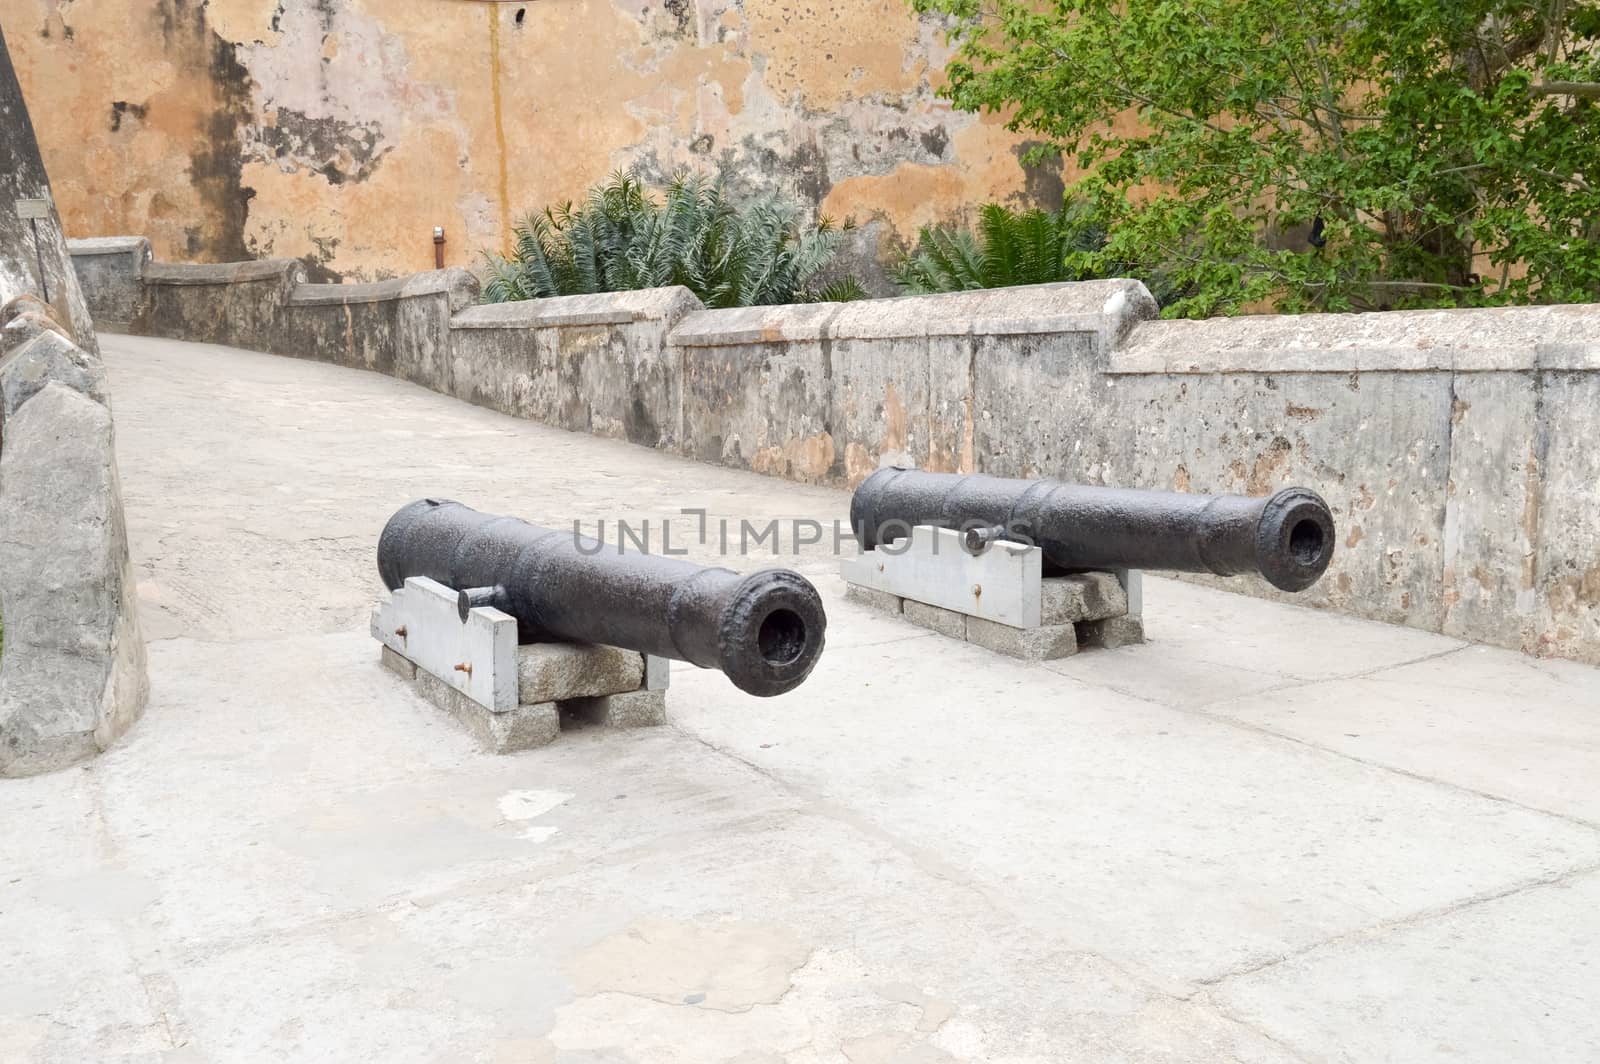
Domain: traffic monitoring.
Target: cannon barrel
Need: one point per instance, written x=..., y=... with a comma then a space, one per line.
x=764, y=629
x=1286, y=538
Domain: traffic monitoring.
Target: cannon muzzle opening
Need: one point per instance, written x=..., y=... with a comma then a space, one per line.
x=771, y=632
x=1295, y=539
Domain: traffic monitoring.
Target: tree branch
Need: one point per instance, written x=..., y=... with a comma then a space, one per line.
x=1587, y=89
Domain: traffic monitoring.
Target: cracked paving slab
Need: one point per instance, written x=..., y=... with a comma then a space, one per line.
x=1269, y=835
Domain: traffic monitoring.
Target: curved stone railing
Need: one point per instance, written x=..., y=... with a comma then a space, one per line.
x=113, y=268
x=1454, y=446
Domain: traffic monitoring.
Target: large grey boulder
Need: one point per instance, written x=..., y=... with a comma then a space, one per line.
x=72, y=672
x=48, y=356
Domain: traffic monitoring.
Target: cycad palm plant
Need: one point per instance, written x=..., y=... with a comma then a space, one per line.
x=1027, y=247
x=622, y=238
x=1010, y=248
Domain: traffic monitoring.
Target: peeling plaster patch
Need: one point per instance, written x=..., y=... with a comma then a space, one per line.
x=936, y=1012
x=121, y=109
x=539, y=833
x=367, y=80
x=809, y=459
x=734, y=966
x=821, y=54
x=660, y=992
x=1043, y=185
x=245, y=20
x=339, y=151
x=681, y=13
x=526, y=805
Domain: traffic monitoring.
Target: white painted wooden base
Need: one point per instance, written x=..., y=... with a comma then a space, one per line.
x=420, y=622
x=1001, y=584
x=476, y=673
x=1004, y=584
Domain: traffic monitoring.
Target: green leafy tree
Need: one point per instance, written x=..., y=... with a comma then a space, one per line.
x=1317, y=155
x=623, y=237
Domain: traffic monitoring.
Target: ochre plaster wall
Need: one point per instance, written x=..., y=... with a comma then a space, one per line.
x=341, y=131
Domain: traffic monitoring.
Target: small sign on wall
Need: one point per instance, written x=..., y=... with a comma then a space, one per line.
x=34, y=211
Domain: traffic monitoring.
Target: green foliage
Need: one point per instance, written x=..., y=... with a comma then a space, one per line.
x=625, y=238
x=1027, y=247
x=1313, y=154
x=1030, y=247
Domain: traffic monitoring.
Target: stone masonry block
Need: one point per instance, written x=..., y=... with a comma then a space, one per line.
x=1112, y=632
x=1045, y=643
x=522, y=728
x=399, y=664
x=48, y=357
x=943, y=621
x=634, y=709
x=553, y=672
x=1081, y=597
x=874, y=599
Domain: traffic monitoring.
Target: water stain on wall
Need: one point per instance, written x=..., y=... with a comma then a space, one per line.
x=210, y=65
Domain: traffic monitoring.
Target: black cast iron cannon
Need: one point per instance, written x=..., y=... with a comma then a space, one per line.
x=763, y=630
x=1286, y=538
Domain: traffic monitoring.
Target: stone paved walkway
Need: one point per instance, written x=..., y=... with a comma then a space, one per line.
x=1269, y=835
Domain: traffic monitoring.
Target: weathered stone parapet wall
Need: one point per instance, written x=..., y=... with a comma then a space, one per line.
x=111, y=272
x=1453, y=445
x=399, y=327
x=596, y=363
x=970, y=380
x=235, y=303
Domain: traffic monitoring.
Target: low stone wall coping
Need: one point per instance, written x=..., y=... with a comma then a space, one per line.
x=527, y=314
x=323, y=295
x=755, y=325
x=1505, y=339
x=600, y=308
x=458, y=284
x=1074, y=307
x=1051, y=308
x=172, y=273
x=110, y=245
